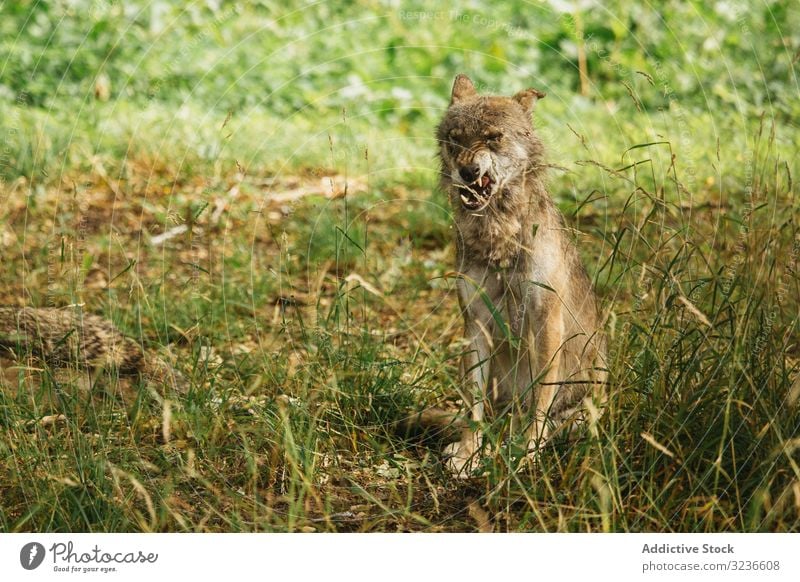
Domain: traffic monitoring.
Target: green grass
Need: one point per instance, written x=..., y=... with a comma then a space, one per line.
x=307, y=325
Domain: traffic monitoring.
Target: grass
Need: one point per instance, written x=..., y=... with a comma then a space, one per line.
x=308, y=321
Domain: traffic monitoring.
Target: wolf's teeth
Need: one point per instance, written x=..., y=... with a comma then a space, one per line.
x=464, y=199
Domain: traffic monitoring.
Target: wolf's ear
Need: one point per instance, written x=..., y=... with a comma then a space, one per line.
x=462, y=88
x=528, y=98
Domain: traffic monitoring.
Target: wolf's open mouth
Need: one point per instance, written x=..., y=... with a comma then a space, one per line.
x=477, y=194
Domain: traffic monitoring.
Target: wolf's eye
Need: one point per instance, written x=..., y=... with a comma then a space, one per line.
x=454, y=140
x=455, y=135
x=492, y=136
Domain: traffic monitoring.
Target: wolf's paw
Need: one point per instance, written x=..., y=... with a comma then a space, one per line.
x=461, y=458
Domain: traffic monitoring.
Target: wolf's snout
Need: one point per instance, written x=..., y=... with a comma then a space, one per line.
x=469, y=173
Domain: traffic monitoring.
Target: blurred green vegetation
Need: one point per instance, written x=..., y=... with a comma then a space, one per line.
x=104, y=78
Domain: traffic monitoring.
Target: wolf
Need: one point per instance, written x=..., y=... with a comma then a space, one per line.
x=535, y=347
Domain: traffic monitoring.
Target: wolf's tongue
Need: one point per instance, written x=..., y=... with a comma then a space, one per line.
x=484, y=181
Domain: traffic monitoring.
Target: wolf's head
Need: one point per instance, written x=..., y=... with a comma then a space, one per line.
x=486, y=143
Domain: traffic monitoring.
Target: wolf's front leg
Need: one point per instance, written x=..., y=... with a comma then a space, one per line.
x=475, y=364
x=461, y=455
x=546, y=333
x=537, y=327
